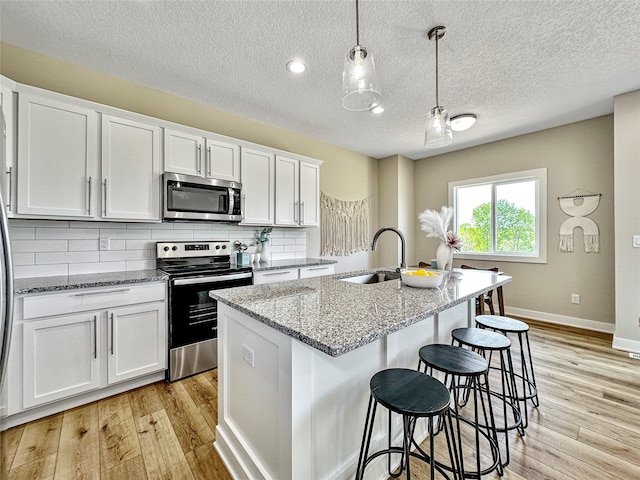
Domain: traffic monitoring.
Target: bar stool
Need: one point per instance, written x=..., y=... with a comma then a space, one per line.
x=507, y=325
x=413, y=395
x=466, y=372
x=486, y=343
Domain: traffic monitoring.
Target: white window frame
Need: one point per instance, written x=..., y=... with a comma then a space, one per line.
x=539, y=175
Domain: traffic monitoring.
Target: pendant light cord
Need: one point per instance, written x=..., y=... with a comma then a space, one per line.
x=357, y=25
x=437, y=102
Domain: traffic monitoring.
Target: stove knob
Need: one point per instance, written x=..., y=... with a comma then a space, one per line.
x=166, y=249
x=217, y=247
x=174, y=248
x=224, y=247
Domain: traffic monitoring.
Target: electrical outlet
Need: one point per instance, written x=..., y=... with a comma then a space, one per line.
x=575, y=298
x=105, y=244
x=635, y=356
x=247, y=355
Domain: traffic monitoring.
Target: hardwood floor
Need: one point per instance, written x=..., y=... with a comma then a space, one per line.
x=587, y=426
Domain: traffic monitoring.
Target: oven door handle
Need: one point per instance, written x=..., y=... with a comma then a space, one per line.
x=220, y=278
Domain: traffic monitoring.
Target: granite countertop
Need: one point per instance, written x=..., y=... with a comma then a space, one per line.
x=293, y=263
x=25, y=286
x=337, y=317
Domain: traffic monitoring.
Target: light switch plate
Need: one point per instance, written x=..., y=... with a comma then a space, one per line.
x=636, y=241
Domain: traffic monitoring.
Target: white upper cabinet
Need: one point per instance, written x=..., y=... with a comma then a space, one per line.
x=183, y=152
x=57, y=157
x=309, y=194
x=297, y=192
x=222, y=160
x=201, y=156
x=131, y=168
x=7, y=171
x=258, y=184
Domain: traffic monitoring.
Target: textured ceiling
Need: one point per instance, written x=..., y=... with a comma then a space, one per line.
x=520, y=65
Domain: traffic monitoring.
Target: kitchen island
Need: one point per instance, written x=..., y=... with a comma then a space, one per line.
x=295, y=359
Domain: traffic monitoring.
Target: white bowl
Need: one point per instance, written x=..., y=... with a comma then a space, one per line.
x=422, y=281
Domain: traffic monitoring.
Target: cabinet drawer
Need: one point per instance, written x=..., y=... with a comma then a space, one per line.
x=272, y=276
x=316, y=271
x=91, y=299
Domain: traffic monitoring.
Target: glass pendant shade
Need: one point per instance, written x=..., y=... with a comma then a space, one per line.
x=360, y=89
x=438, y=129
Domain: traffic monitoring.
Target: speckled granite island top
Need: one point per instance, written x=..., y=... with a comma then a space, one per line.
x=336, y=317
x=25, y=286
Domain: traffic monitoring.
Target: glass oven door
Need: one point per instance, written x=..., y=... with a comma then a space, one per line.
x=193, y=313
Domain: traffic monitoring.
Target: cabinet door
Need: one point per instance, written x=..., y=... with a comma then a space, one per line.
x=130, y=170
x=223, y=161
x=309, y=194
x=316, y=271
x=7, y=171
x=57, y=157
x=273, y=276
x=258, y=182
x=182, y=153
x=137, y=343
x=287, y=191
x=60, y=357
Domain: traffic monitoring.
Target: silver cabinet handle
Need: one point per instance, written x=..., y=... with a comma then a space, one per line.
x=318, y=268
x=208, y=162
x=104, y=209
x=301, y=213
x=295, y=212
x=89, y=196
x=86, y=294
x=112, y=333
x=10, y=187
x=277, y=273
x=95, y=336
x=242, y=206
x=199, y=159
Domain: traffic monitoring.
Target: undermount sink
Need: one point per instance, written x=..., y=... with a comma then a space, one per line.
x=372, y=278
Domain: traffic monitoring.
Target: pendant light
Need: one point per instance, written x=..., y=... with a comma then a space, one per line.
x=359, y=80
x=438, y=129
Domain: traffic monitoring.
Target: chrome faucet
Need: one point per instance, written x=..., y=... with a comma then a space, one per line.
x=403, y=260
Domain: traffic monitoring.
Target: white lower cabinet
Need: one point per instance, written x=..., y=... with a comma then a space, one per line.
x=282, y=274
x=60, y=358
x=117, y=338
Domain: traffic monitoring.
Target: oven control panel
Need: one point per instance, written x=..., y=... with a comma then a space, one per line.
x=193, y=249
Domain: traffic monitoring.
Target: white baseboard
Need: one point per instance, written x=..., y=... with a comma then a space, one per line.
x=561, y=320
x=626, y=344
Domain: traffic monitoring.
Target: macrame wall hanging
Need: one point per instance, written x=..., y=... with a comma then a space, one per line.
x=344, y=226
x=578, y=204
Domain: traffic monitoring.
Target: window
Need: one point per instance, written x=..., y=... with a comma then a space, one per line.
x=502, y=217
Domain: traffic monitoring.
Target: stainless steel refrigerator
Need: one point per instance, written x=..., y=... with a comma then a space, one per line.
x=6, y=269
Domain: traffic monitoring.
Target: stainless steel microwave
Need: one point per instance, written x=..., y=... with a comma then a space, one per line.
x=188, y=197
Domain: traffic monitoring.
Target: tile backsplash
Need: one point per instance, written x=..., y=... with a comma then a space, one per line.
x=43, y=248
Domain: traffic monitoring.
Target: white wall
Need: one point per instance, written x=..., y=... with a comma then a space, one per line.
x=627, y=220
x=44, y=248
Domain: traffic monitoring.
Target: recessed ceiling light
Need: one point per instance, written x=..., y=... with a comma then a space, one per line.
x=377, y=109
x=462, y=122
x=296, y=66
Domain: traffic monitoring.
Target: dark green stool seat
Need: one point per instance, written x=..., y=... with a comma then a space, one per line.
x=413, y=395
x=486, y=343
x=466, y=373
x=506, y=326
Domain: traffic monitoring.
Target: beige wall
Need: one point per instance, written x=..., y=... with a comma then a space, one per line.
x=627, y=218
x=344, y=174
x=578, y=155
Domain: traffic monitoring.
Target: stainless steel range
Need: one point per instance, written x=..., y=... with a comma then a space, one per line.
x=195, y=268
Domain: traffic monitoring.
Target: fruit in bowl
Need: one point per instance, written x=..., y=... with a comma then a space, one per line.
x=422, y=278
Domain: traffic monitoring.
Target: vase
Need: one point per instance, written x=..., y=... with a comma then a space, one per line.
x=444, y=257
x=264, y=252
